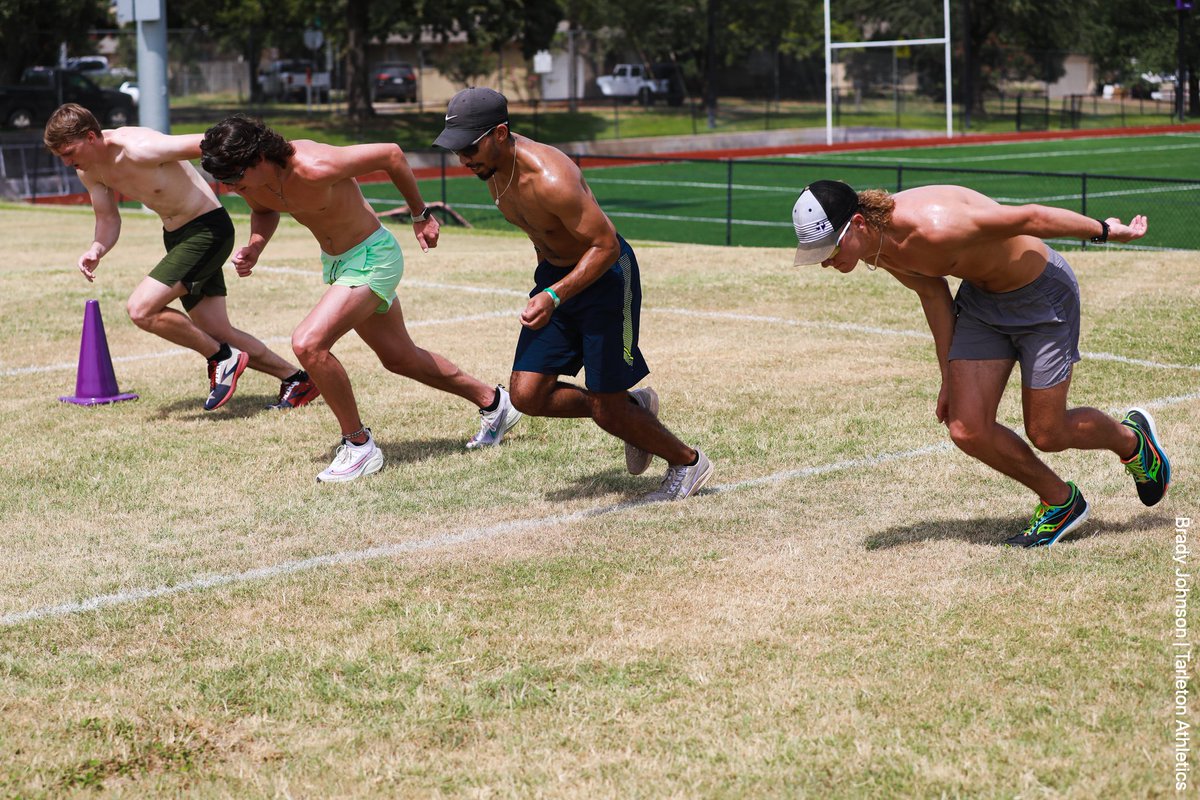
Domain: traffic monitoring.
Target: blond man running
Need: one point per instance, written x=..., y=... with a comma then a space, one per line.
x=1018, y=303
x=152, y=168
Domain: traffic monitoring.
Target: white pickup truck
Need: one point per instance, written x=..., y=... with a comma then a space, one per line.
x=634, y=82
x=287, y=79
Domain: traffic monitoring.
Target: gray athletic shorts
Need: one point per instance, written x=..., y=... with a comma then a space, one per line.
x=1037, y=325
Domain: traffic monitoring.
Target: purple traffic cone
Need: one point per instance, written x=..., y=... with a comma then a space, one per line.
x=95, y=381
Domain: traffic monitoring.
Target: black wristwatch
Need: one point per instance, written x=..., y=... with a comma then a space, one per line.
x=1103, y=237
x=424, y=215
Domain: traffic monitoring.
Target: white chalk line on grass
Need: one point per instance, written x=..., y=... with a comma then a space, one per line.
x=468, y=536
x=847, y=327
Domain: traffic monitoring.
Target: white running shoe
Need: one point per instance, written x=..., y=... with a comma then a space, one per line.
x=637, y=459
x=494, y=424
x=353, y=461
x=683, y=481
x=223, y=378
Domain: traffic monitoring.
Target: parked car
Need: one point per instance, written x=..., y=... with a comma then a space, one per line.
x=96, y=66
x=288, y=78
x=635, y=82
x=88, y=64
x=395, y=81
x=43, y=89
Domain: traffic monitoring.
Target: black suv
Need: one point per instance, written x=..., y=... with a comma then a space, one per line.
x=395, y=81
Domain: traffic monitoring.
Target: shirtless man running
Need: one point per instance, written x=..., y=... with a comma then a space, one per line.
x=585, y=304
x=152, y=168
x=315, y=183
x=1018, y=302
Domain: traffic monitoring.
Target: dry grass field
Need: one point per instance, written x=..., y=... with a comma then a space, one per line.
x=185, y=612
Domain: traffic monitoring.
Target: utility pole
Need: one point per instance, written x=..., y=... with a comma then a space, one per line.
x=151, y=18
x=1182, y=7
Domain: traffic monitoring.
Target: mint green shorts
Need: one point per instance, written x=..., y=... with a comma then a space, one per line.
x=375, y=261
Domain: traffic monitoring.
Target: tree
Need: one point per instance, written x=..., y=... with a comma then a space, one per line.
x=247, y=25
x=1132, y=37
x=32, y=30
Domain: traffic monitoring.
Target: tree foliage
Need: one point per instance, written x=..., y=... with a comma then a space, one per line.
x=32, y=30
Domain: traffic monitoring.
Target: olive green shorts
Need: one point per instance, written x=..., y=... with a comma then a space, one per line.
x=196, y=256
x=375, y=261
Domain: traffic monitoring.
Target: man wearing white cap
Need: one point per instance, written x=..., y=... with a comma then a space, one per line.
x=584, y=307
x=1018, y=302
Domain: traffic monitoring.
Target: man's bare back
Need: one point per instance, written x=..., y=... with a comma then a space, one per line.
x=950, y=230
x=147, y=166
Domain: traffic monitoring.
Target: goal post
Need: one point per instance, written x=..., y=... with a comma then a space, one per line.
x=831, y=45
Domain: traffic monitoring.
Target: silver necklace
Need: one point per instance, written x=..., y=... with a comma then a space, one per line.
x=510, y=177
x=870, y=266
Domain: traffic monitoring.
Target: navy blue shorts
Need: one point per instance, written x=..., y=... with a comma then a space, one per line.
x=596, y=330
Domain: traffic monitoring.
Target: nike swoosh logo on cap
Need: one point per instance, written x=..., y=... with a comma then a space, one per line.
x=451, y=116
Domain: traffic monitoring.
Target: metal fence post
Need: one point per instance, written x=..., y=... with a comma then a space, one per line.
x=899, y=177
x=1083, y=199
x=729, y=203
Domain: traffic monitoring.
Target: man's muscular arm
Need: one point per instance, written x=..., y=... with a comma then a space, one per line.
x=996, y=221
x=108, y=225
x=938, y=306
x=147, y=146
x=263, y=222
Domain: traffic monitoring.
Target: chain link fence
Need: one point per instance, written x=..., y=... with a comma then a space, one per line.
x=748, y=202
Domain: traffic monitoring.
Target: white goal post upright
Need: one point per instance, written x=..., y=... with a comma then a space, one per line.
x=830, y=46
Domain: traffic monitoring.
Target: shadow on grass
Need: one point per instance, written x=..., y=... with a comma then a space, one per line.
x=242, y=405
x=994, y=530
x=410, y=450
x=609, y=482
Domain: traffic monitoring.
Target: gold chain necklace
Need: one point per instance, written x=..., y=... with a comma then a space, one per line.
x=510, y=177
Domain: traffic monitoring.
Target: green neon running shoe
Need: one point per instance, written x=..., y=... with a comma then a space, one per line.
x=1149, y=466
x=1050, y=523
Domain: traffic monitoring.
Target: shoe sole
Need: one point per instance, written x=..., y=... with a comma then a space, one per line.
x=243, y=360
x=1082, y=518
x=1154, y=435
x=373, y=465
x=638, y=460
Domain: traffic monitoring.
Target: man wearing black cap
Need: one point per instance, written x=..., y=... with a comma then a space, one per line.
x=583, y=310
x=315, y=183
x=1018, y=302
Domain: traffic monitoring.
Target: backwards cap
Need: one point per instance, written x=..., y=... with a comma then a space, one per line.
x=819, y=215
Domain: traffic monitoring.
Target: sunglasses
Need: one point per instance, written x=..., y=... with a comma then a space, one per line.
x=232, y=180
x=838, y=244
x=470, y=150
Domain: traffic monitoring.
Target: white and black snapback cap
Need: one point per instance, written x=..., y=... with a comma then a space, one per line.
x=819, y=216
